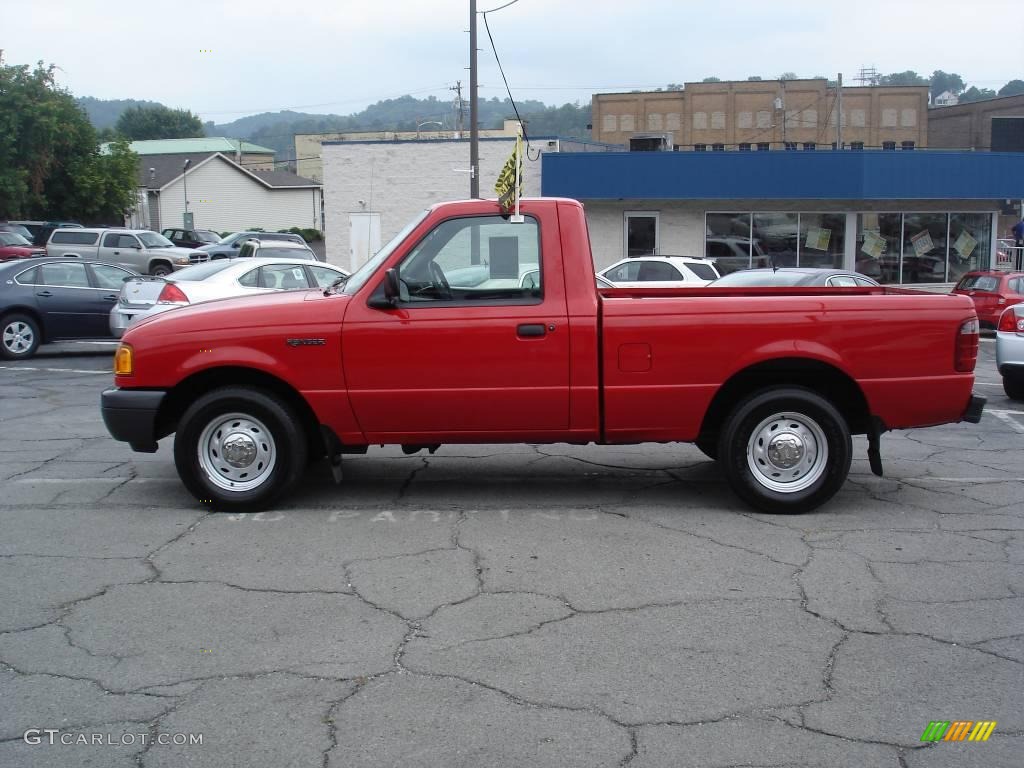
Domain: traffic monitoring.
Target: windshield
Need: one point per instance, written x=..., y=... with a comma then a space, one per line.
x=361, y=275
x=206, y=236
x=153, y=240
x=12, y=238
x=269, y=252
x=18, y=230
x=202, y=271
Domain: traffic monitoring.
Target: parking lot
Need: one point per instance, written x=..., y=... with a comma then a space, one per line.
x=502, y=605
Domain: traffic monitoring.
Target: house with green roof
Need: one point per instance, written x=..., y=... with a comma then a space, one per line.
x=245, y=153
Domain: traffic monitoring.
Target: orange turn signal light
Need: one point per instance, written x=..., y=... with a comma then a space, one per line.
x=123, y=362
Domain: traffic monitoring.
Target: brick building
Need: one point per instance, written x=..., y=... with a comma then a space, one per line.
x=766, y=114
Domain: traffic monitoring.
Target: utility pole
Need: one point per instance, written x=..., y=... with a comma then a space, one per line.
x=474, y=127
x=839, y=112
x=459, y=107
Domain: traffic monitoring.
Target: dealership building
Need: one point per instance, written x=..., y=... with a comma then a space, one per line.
x=903, y=217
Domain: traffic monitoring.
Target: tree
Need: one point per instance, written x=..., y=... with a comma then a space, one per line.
x=711, y=80
x=946, y=81
x=902, y=78
x=674, y=87
x=159, y=122
x=50, y=163
x=1012, y=88
x=789, y=76
x=754, y=78
x=976, y=94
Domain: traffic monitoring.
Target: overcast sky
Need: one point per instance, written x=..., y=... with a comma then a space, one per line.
x=224, y=59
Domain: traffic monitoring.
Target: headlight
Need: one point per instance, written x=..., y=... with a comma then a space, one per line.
x=182, y=260
x=124, y=364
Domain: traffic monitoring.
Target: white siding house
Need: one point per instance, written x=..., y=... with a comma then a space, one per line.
x=223, y=196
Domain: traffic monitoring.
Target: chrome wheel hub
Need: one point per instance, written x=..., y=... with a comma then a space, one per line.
x=237, y=452
x=18, y=337
x=787, y=452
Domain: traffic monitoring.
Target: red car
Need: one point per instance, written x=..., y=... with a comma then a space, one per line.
x=992, y=292
x=14, y=246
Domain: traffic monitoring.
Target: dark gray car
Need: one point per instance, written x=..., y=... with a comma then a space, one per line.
x=229, y=246
x=802, y=277
x=52, y=299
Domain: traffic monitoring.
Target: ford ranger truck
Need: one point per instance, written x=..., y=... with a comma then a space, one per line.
x=438, y=339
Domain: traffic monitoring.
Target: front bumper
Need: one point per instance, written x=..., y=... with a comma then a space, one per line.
x=130, y=416
x=974, y=408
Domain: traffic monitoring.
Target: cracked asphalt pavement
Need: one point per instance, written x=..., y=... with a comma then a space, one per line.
x=503, y=605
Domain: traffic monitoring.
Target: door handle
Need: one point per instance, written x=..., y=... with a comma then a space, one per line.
x=530, y=330
x=111, y=297
x=43, y=293
x=117, y=253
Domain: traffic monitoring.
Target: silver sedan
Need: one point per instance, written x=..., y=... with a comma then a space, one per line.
x=1010, y=350
x=144, y=296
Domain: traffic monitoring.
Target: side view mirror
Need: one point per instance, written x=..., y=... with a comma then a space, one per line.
x=391, y=291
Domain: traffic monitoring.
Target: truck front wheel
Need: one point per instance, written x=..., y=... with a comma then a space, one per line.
x=239, y=449
x=785, y=450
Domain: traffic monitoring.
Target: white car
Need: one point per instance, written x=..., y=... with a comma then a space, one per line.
x=660, y=272
x=143, y=297
x=1010, y=351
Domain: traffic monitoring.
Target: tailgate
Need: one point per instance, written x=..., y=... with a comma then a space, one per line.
x=141, y=292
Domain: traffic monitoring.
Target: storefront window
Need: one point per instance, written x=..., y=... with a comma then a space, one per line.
x=924, y=247
x=878, y=246
x=970, y=237
x=822, y=239
x=727, y=241
x=778, y=234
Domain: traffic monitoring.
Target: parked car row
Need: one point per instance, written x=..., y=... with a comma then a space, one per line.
x=47, y=299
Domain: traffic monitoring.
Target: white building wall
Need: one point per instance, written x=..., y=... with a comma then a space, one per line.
x=225, y=200
x=400, y=179
x=681, y=228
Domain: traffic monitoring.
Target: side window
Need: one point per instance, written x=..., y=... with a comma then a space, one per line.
x=1017, y=285
x=64, y=275
x=284, y=277
x=657, y=271
x=28, y=277
x=110, y=240
x=108, y=276
x=127, y=241
x=475, y=259
x=864, y=283
x=250, y=279
x=842, y=281
x=626, y=273
x=323, y=276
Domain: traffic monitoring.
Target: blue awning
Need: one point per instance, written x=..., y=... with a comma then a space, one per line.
x=785, y=175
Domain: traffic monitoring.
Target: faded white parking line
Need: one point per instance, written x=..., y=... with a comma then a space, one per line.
x=76, y=480
x=52, y=370
x=1006, y=418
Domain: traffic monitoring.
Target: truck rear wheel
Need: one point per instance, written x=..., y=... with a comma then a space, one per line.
x=785, y=450
x=239, y=449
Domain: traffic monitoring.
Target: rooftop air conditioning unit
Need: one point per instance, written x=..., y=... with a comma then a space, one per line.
x=650, y=142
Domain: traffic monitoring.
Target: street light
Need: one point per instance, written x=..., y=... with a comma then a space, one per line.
x=428, y=122
x=184, y=181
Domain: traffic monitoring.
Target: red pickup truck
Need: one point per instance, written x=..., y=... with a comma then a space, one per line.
x=470, y=327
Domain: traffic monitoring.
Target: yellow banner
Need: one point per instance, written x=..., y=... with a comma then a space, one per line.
x=510, y=181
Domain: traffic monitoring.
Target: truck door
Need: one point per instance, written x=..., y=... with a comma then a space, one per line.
x=468, y=346
x=123, y=249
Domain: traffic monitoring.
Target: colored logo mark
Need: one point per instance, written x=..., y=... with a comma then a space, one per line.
x=958, y=730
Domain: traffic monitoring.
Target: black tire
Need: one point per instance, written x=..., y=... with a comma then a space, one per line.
x=809, y=439
x=708, y=446
x=1013, y=386
x=20, y=337
x=268, y=442
x=160, y=269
